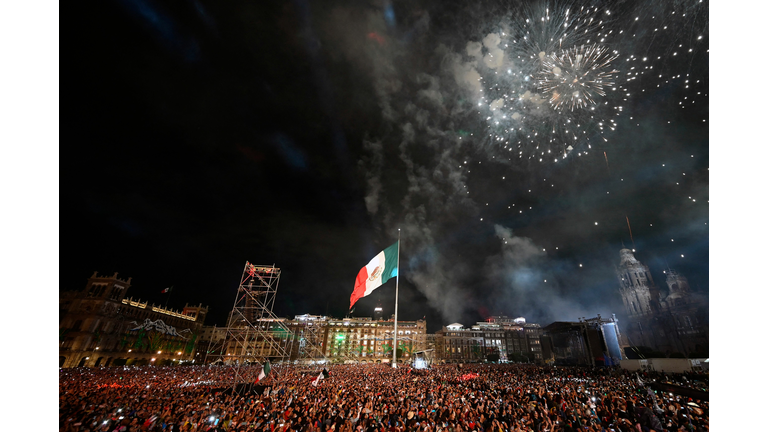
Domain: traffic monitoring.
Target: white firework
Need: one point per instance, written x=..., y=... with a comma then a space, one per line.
x=575, y=78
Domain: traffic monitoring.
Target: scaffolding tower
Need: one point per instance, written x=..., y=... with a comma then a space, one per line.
x=255, y=334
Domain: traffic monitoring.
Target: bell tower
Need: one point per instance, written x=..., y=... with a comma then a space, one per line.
x=640, y=296
x=677, y=284
x=636, y=286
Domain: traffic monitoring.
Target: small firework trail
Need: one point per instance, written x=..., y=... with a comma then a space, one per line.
x=630, y=232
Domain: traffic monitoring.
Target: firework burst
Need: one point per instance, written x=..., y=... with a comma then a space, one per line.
x=574, y=78
x=551, y=77
x=547, y=80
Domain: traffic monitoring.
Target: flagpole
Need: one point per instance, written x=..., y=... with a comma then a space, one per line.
x=397, y=291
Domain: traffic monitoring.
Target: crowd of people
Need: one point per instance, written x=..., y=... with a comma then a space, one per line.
x=352, y=398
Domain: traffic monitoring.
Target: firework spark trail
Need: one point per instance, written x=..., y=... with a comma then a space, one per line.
x=630, y=232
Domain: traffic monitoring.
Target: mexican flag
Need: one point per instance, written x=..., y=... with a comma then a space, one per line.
x=381, y=268
x=264, y=372
x=323, y=375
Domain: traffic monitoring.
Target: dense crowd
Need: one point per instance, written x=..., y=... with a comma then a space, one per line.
x=447, y=398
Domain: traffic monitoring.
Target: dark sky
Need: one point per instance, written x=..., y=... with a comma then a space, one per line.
x=304, y=134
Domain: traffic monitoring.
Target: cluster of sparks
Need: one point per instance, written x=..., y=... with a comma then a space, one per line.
x=576, y=77
x=565, y=77
x=559, y=70
x=556, y=78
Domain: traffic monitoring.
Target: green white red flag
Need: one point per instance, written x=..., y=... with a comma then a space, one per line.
x=323, y=375
x=379, y=270
x=264, y=372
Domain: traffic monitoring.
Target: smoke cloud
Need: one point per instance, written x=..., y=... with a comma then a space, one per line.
x=524, y=281
x=371, y=166
x=423, y=110
x=418, y=166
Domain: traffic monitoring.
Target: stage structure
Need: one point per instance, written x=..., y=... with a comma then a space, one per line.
x=255, y=334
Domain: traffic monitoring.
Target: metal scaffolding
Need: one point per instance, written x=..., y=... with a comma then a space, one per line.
x=255, y=334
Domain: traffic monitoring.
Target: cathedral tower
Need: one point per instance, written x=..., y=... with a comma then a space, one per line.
x=640, y=296
x=638, y=291
x=669, y=319
x=678, y=288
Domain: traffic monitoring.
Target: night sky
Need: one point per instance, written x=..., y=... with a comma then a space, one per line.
x=305, y=134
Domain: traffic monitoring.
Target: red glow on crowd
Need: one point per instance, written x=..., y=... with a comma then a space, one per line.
x=113, y=385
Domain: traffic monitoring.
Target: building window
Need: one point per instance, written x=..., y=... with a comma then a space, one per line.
x=96, y=290
x=67, y=344
x=115, y=294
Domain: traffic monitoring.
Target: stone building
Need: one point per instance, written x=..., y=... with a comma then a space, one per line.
x=522, y=339
x=99, y=326
x=497, y=339
x=671, y=319
x=370, y=341
x=359, y=339
x=456, y=344
x=263, y=338
x=210, y=344
x=431, y=341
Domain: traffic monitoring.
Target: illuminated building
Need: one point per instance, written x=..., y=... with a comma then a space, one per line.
x=262, y=338
x=309, y=338
x=497, y=339
x=669, y=320
x=456, y=344
x=370, y=341
x=99, y=326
